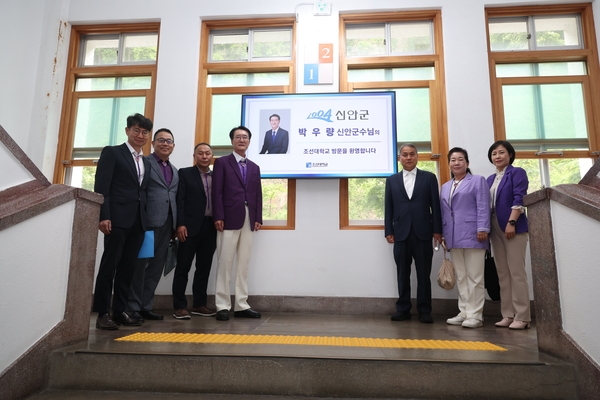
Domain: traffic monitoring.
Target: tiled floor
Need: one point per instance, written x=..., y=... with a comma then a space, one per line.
x=521, y=346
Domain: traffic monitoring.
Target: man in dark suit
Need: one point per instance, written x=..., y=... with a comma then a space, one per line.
x=196, y=233
x=161, y=211
x=237, y=202
x=276, y=139
x=412, y=219
x=122, y=177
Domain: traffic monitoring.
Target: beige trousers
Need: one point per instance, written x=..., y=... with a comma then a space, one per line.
x=509, y=256
x=469, y=268
x=232, y=244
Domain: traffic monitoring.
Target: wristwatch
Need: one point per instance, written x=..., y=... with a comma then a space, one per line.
x=512, y=222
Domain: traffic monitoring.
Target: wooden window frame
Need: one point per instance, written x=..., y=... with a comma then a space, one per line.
x=590, y=84
x=70, y=100
x=204, y=104
x=439, y=127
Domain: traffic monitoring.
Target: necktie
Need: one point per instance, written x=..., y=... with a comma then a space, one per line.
x=243, y=170
x=139, y=171
x=207, y=182
x=273, y=136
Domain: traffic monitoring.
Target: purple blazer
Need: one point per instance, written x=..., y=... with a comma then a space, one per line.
x=469, y=213
x=510, y=192
x=229, y=193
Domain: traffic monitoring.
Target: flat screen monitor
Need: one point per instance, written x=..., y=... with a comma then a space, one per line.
x=325, y=135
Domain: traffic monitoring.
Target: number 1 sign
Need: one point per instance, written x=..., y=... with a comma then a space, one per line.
x=318, y=64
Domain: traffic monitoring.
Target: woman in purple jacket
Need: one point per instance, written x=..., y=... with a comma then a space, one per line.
x=509, y=235
x=465, y=202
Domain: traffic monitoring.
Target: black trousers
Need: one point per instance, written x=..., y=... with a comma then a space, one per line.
x=121, y=248
x=202, y=246
x=422, y=252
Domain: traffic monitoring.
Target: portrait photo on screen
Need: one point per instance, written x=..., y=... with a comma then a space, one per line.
x=274, y=133
x=324, y=135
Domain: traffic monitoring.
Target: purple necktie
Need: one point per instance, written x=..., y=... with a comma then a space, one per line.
x=243, y=170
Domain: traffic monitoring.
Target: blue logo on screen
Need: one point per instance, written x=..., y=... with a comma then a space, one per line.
x=308, y=164
x=322, y=115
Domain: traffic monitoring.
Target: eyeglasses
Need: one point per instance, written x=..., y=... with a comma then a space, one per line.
x=163, y=141
x=137, y=131
x=241, y=137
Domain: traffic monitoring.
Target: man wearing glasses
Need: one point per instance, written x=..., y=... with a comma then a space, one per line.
x=161, y=210
x=121, y=177
x=237, y=212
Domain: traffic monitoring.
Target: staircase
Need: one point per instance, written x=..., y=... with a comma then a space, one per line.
x=107, y=368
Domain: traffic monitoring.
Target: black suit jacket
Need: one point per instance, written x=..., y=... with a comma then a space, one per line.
x=421, y=212
x=117, y=181
x=281, y=142
x=191, y=200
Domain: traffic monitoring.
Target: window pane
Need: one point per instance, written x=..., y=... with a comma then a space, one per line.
x=365, y=199
x=259, y=79
x=575, y=68
x=411, y=38
x=100, y=122
x=560, y=31
x=125, y=83
x=568, y=170
x=270, y=44
x=100, y=50
x=140, y=48
x=365, y=40
x=546, y=112
x=430, y=166
x=506, y=35
x=391, y=74
x=229, y=47
x=226, y=114
x=81, y=177
x=274, y=199
x=413, y=117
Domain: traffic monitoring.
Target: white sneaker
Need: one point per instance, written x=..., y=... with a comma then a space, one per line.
x=472, y=323
x=458, y=320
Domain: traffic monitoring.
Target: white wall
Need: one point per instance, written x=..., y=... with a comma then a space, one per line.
x=578, y=275
x=18, y=173
x=35, y=263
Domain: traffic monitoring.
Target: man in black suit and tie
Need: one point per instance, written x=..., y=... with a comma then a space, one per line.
x=276, y=139
x=161, y=212
x=412, y=219
x=122, y=177
x=196, y=233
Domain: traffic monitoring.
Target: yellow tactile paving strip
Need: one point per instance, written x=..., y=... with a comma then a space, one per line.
x=310, y=341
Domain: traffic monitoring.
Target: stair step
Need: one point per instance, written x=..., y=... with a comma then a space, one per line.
x=299, y=376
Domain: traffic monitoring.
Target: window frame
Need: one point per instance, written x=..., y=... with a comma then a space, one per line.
x=589, y=82
x=206, y=67
x=439, y=129
x=66, y=135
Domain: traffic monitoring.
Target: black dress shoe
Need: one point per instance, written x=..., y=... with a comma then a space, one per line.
x=125, y=320
x=426, y=318
x=401, y=316
x=151, y=316
x=136, y=315
x=223, y=315
x=249, y=313
x=105, y=323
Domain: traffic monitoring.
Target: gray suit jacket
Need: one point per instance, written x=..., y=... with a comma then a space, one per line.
x=161, y=197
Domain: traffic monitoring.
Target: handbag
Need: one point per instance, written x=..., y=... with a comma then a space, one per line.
x=446, y=277
x=491, y=277
x=171, y=260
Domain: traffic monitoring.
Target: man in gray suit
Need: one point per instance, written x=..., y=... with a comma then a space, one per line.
x=161, y=210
